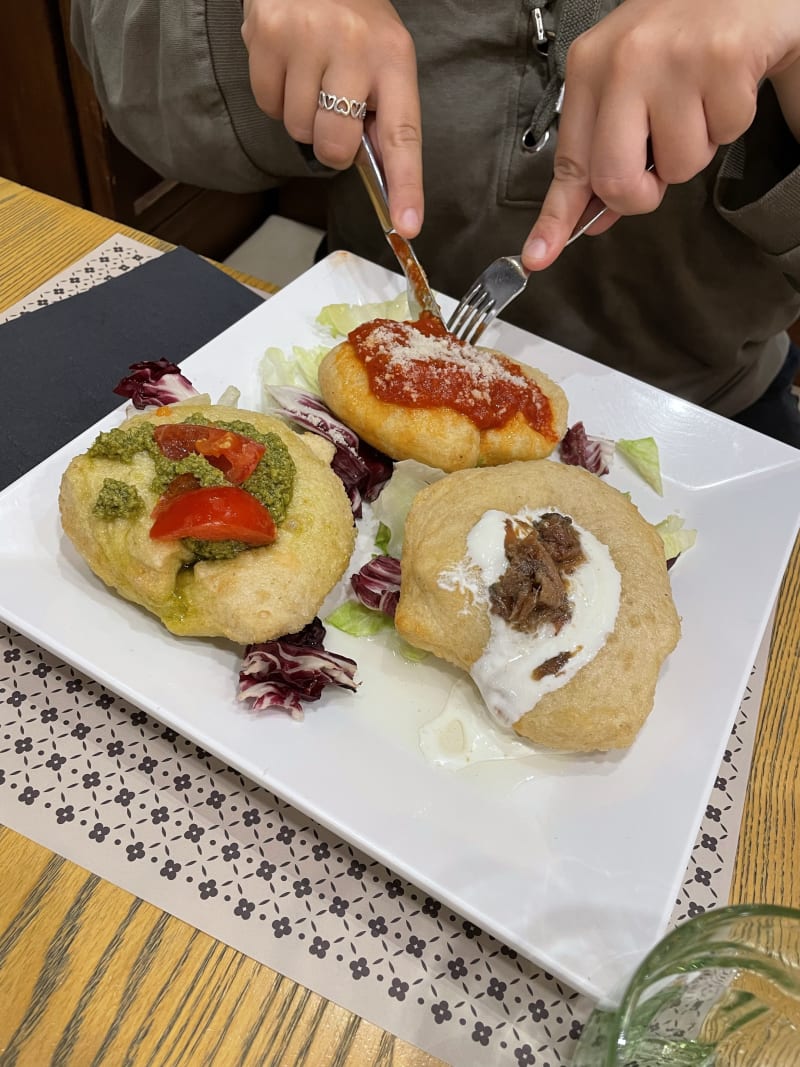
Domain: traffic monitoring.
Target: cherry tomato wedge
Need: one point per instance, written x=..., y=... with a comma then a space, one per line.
x=232, y=453
x=217, y=513
x=182, y=484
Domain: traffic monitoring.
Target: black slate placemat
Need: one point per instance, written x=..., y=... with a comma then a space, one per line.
x=59, y=365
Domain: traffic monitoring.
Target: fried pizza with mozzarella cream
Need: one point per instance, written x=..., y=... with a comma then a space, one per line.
x=551, y=590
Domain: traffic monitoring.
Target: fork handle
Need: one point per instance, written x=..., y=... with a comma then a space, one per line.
x=582, y=227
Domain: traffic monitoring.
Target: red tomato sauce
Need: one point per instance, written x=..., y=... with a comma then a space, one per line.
x=418, y=364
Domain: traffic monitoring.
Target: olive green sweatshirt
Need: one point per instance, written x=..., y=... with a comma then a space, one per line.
x=694, y=298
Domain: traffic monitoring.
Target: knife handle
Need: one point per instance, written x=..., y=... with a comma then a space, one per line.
x=368, y=167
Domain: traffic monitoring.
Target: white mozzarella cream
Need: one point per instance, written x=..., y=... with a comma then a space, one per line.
x=462, y=735
x=504, y=672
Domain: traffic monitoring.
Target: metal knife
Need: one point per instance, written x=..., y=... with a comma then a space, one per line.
x=420, y=296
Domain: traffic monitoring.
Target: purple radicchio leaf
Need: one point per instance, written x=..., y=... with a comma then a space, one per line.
x=291, y=670
x=154, y=383
x=363, y=469
x=580, y=449
x=377, y=584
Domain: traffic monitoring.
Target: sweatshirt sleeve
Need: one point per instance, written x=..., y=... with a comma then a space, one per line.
x=173, y=83
x=758, y=186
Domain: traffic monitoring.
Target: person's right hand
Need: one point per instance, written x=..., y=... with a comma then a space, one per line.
x=356, y=49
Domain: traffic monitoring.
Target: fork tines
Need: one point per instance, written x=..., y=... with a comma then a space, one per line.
x=467, y=319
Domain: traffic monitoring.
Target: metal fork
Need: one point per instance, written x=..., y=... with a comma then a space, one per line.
x=501, y=282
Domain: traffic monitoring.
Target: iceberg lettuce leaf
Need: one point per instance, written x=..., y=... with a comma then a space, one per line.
x=675, y=538
x=358, y=621
x=642, y=454
x=340, y=319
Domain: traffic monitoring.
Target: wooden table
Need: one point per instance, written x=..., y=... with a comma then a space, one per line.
x=89, y=974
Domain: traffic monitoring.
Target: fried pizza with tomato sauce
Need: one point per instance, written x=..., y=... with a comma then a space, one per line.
x=416, y=392
x=550, y=588
x=224, y=523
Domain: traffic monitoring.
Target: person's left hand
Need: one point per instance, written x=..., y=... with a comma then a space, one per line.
x=679, y=75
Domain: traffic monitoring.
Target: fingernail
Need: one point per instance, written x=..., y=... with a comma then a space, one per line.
x=535, y=249
x=410, y=220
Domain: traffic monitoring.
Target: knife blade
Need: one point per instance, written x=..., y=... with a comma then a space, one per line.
x=420, y=296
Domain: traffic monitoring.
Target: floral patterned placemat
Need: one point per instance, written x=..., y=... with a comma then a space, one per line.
x=110, y=788
x=118, y=255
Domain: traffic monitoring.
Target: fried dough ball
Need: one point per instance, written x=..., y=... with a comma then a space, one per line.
x=605, y=703
x=440, y=436
x=261, y=593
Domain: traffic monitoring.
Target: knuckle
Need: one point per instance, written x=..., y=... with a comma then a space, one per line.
x=403, y=136
x=298, y=130
x=625, y=197
x=636, y=44
x=261, y=25
x=566, y=169
x=727, y=123
x=581, y=55
x=677, y=172
x=400, y=45
x=725, y=50
x=268, y=102
x=619, y=194
x=333, y=153
x=352, y=30
x=272, y=112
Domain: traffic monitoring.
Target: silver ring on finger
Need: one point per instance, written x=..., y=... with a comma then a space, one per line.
x=342, y=105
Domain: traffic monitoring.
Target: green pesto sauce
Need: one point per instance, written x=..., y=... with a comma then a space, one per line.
x=214, y=549
x=169, y=469
x=272, y=482
x=123, y=445
x=117, y=500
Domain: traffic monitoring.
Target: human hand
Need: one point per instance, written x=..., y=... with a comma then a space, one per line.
x=355, y=49
x=682, y=75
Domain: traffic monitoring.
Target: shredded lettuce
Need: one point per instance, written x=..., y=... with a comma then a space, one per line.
x=407, y=651
x=300, y=371
x=230, y=398
x=340, y=319
x=392, y=505
x=383, y=538
x=642, y=454
x=359, y=621
x=675, y=538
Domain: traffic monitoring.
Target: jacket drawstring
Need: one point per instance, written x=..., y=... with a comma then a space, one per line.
x=573, y=17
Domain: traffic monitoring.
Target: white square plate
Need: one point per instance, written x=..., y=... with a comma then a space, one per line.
x=573, y=861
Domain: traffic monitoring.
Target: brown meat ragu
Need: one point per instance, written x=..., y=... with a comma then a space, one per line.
x=554, y=665
x=561, y=540
x=531, y=591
